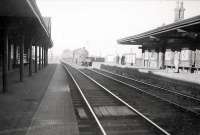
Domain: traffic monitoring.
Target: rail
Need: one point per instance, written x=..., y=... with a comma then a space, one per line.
x=177, y=105
x=87, y=103
x=129, y=106
x=155, y=86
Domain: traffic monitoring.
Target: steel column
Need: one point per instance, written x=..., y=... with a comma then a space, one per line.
x=161, y=58
x=9, y=56
x=22, y=59
x=47, y=56
x=5, y=61
x=14, y=56
x=35, y=59
x=30, y=59
x=40, y=57
x=44, y=56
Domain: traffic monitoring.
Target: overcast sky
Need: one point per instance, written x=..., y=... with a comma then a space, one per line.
x=97, y=24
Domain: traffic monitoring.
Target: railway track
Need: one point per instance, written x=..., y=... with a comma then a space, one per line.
x=86, y=123
x=188, y=102
x=175, y=119
x=106, y=112
x=174, y=85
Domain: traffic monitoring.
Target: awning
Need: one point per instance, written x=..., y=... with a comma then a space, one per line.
x=25, y=9
x=185, y=29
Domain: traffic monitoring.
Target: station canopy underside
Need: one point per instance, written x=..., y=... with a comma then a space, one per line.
x=184, y=31
x=23, y=16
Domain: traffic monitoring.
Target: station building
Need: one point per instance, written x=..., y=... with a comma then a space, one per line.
x=25, y=38
x=175, y=46
x=80, y=55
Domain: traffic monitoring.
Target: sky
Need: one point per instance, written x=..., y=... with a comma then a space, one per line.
x=98, y=24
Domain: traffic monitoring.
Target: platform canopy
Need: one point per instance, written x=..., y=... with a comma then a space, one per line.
x=24, y=16
x=184, y=30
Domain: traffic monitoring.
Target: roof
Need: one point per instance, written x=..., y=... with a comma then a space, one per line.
x=186, y=25
x=47, y=21
x=24, y=9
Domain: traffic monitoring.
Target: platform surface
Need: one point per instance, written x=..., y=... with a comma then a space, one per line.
x=22, y=99
x=55, y=115
x=186, y=77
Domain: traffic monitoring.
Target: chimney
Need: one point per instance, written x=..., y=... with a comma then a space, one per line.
x=179, y=11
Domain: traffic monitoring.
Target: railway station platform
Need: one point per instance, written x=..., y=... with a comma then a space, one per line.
x=40, y=105
x=169, y=75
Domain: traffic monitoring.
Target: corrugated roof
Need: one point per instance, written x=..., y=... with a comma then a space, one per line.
x=24, y=8
x=47, y=21
x=37, y=13
x=177, y=25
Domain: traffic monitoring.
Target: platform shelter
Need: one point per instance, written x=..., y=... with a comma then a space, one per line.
x=175, y=45
x=25, y=38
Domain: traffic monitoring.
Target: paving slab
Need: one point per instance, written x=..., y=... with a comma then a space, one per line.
x=55, y=115
x=19, y=104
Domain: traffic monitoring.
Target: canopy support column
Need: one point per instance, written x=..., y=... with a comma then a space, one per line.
x=40, y=57
x=30, y=59
x=9, y=57
x=5, y=61
x=35, y=58
x=47, y=57
x=22, y=59
x=14, y=56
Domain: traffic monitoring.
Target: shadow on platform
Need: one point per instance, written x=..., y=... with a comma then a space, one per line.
x=19, y=104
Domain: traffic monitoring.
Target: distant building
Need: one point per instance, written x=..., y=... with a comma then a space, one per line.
x=80, y=55
x=130, y=58
x=67, y=55
x=110, y=58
